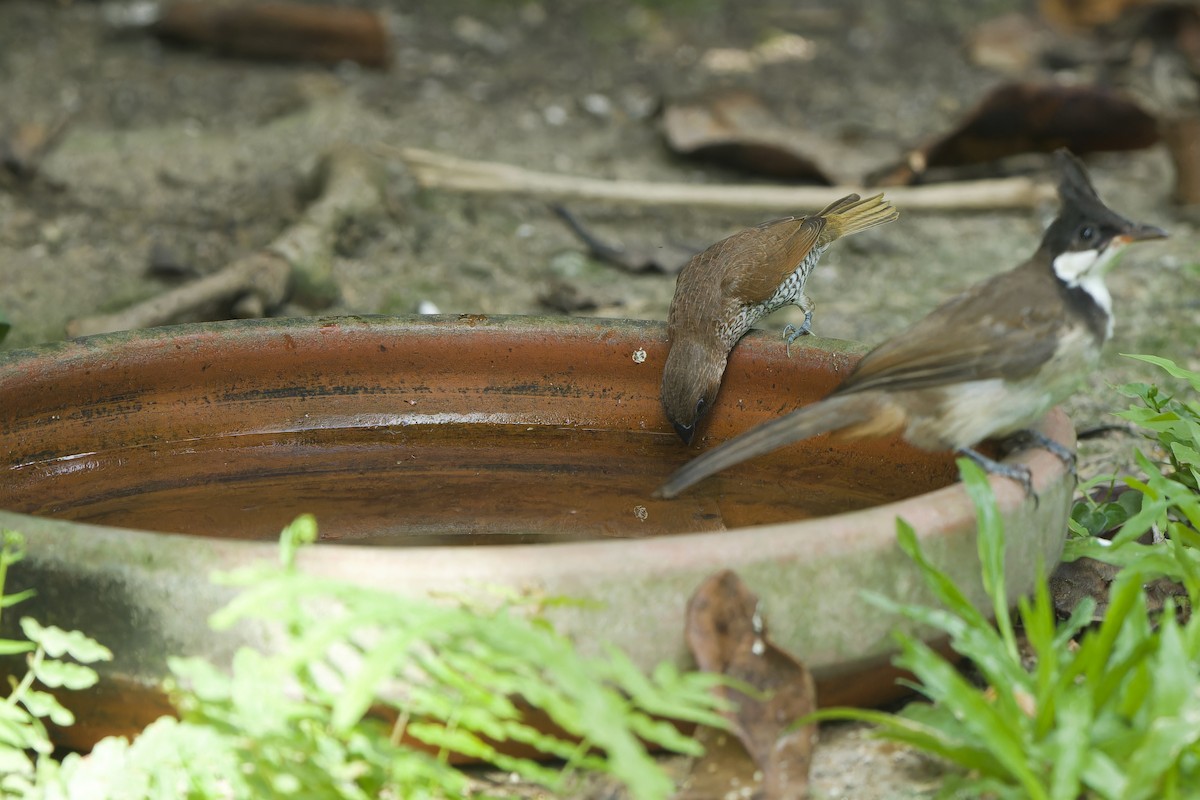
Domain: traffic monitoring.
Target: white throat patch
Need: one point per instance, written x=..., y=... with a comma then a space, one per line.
x=1073, y=265
x=1085, y=269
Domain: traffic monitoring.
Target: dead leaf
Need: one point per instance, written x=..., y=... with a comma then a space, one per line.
x=1086, y=14
x=665, y=259
x=325, y=33
x=1031, y=118
x=1072, y=581
x=734, y=128
x=727, y=634
x=1075, y=580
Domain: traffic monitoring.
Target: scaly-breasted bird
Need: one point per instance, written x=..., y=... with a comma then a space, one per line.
x=986, y=363
x=723, y=291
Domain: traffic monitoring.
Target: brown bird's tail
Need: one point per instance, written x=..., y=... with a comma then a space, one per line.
x=855, y=414
x=851, y=215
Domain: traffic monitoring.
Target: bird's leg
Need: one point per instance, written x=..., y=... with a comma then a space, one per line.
x=1031, y=438
x=1014, y=473
x=790, y=332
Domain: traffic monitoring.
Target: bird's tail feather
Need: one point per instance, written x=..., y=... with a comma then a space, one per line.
x=847, y=216
x=831, y=414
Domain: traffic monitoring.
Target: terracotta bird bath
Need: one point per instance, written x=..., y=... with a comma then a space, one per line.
x=467, y=452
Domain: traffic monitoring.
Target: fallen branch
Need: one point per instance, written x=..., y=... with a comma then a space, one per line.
x=261, y=281
x=439, y=171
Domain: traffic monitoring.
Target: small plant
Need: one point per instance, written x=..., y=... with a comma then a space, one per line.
x=296, y=722
x=1175, y=423
x=22, y=731
x=1107, y=712
x=1165, y=504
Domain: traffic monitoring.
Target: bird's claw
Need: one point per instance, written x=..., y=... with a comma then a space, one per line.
x=791, y=333
x=1032, y=438
x=1013, y=472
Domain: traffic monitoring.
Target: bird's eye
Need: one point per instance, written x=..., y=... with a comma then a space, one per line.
x=1087, y=233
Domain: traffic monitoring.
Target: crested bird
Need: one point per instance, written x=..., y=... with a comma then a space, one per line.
x=724, y=290
x=987, y=363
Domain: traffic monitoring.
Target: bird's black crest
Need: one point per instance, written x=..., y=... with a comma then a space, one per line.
x=1074, y=185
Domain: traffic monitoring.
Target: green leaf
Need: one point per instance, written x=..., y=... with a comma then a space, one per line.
x=915, y=732
x=71, y=676
x=302, y=531
x=44, y=704
x=1096, y=650
x=10, y=647
x=1104, y=777
x=991, y=548
x=14, y=762
x=1071, y=743
x=1096, y=518
x=1170, y=367
x=22, y=732
x=943, y=588
x=57, y=642
x=10, y=600
x=1000, y=734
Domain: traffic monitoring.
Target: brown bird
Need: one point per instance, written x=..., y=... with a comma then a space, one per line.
x=723, y=291
x=986, y=363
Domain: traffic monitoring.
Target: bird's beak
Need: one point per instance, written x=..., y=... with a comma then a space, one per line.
x=1141, y=233
x=686, y=432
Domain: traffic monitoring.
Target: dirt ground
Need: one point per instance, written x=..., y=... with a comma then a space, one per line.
x=179, y=157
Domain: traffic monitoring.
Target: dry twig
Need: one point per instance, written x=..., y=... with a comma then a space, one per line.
x=439, y=171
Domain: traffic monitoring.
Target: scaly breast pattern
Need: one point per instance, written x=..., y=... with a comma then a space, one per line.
x=735, y=325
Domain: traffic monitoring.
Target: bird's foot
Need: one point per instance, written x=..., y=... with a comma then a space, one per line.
x=1020, y=474
x=1030, y=438
x=791, y=333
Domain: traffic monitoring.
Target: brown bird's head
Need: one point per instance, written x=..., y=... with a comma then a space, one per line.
x=691, y=378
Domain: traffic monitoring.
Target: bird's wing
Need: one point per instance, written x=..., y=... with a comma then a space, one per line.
x=777, y=249
x=704, y=290
x=1003, y=328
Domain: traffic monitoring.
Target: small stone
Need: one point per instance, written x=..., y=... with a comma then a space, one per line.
x=598, y=105
x=554, y=115
x=51, y=233
x=786, y=47
x=728, y=61
x=427, y=307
